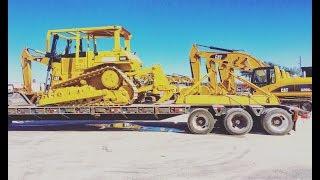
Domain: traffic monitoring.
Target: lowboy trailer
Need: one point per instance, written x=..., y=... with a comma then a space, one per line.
x=237, y=120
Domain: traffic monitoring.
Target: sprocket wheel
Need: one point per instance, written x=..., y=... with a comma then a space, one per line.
x=111, y=79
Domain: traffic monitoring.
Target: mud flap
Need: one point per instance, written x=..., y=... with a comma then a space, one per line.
x=295, y=119
x=294, y=125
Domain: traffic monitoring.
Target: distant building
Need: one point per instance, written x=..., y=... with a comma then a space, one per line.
x=16, y=85
x=36, y=87
x=306, y=71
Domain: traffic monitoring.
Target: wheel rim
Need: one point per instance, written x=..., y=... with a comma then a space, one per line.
x=200, y=122
x=276, y=121
x=279, y=123
x=238, y=123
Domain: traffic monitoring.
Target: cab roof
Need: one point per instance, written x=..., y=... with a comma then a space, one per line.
x=101, y=31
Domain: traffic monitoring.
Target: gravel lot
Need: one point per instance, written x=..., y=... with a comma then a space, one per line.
x=159, y=155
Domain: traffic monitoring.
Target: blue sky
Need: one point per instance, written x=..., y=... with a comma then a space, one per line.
x=163, y=31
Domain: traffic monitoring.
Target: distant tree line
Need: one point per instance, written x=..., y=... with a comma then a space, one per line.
x=292, y=70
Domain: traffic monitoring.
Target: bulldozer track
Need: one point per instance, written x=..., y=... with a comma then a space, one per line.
x=94, y=73
x=87, y=102
x=87, y=75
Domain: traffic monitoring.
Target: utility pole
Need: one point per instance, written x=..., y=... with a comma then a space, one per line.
x=300, y=62
x=300, y=70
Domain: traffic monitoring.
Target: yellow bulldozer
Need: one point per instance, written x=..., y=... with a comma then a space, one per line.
x=263, y=78
x=82, y=71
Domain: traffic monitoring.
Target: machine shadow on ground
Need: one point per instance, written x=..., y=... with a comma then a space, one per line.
x=177, y=127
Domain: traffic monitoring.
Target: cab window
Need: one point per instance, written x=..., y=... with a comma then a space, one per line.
x=260, y=76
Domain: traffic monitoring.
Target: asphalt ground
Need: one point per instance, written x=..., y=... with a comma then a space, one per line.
x=82, y=151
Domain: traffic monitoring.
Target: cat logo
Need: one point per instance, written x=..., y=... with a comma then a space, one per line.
x=284, y=89
x=218, y=56
x=56, y=78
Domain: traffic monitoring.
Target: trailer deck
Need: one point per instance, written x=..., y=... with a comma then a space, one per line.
x=201, y=118
x=136, y=111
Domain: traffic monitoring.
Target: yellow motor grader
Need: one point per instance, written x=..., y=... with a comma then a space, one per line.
x=81, y=71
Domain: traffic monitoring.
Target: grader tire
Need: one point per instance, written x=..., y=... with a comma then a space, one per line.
x=277, y=121
x=237, y=121
x=201, y=121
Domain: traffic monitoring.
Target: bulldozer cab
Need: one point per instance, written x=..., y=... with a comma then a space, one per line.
x=72, y=52
x=263, y=76
x=79, y=42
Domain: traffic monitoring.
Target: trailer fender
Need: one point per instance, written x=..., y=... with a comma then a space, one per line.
x=219, y=110
x=256, y=109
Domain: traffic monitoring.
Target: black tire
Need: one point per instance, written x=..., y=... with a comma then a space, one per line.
x=201, y=121
x=307, y=106
x=237, y=121
x=277, y=121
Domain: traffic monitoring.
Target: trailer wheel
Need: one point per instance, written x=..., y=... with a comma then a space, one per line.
x=201, y=121
x=238, y=121
x=277, y=121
